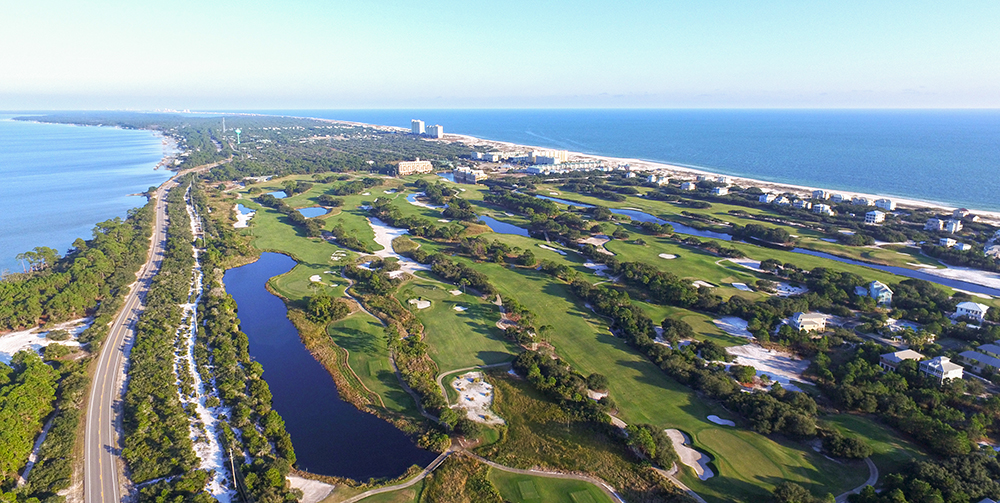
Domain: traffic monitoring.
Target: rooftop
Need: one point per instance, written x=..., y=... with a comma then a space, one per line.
x=973, y=306
x=899, y=356
x=981, y=358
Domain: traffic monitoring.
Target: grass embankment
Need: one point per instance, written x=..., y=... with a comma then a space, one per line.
x=891, y=452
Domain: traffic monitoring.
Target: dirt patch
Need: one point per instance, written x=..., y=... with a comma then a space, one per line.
x=313, y=491
x=475, y=395
x=783, y=368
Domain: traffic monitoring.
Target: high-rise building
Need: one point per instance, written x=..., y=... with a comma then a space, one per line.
x=417, y=126
x=435, y=131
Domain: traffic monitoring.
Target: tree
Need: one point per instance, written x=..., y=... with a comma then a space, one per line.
x=597, y=382
x=743, y=373
x=790, y=492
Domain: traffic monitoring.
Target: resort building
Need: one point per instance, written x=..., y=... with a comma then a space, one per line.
x=823, y=209
x=979, y=362
x=952, y=226
x=416, y=126
x=766, y=198
x=689, y=186
x=720, y=191
x=886, y=204
x=466, y=175
x=821, y=194
x=934, y=224
x=874, y=217
x=435, y=131
x=413, y=167
x=941, y=368
x=973, y=310
x=860, y=201
x=890, y=361
x=802, y=204
x=947, y=242
x=809, y=322
x=489, y=157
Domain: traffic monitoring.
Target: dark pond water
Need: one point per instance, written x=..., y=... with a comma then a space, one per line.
x=331, y=437
x=502, y=227
x=243, y=209
x=447, y=176
x=278, y=194
x=312, y=212
x=909, y=273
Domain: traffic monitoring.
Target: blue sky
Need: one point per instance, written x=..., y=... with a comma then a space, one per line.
x=423, y=54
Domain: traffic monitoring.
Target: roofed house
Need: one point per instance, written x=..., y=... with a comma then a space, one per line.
x=880, y=292
x=973, y=310
x=890, y=361
x=941, y=368
x=979, y=362
x=809, y=322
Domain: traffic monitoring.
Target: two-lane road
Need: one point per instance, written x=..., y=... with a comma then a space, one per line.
x=102, y=454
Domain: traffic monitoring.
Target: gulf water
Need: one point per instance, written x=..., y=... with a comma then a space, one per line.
x=946, y=156
x=57, y=181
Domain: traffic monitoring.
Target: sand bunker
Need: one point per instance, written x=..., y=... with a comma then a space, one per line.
x=315, y=278
x=460, y=308
x=455, y=292
x=733, y=326
x=700, y=283
x=242, y=220
x=742, y=287
x=753, y=265
x=412, y=199
x=697, y=460
x=786, y=290
x=313, y=491
x=779, y=367
x=444, y=221
x=545, y=247
x=718, y=420
x=475, y=395
x=384, y=234
x=421, y=304
x=668, y=256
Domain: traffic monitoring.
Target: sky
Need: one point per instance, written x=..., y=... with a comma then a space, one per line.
x=327, y=54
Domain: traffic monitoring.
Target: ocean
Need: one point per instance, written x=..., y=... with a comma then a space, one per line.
x=945, y=156
x=57, y=181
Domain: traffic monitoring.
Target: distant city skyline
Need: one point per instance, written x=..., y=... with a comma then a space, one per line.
x=393, y=54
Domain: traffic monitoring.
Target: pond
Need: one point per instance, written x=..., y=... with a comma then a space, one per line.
x=314, y=211
x=502, y=227
x=243, y=210
x=909, y=273
x=330, y=436
x=641, y=216
x=278, y=194
x=447, y=176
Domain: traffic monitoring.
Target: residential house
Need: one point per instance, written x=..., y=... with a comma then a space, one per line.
x=934, y=224
x=874, y=217
x=886, y=204
x=947, y=242
x=782, y=201
x=821, y=194
x=823, y=209
x=979, y=362
x=766, y=198
x=989, y=350
x=881, y=293
x=890, y=361
x=963, y=246
x=973, y=310
x=837, y=198
x=992, y=251
x=860, y=201
x=961, y=213
x=952, y=226
x=809, y=322
x=802, y=204
x=941, y=368
x=720, y=191
x=689, y=186
x=722, y=179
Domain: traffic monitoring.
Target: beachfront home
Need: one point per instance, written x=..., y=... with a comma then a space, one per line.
x=689, y=186
x=809, y=322
x=886, y=204
x=979, y=362
x=890, y=361
x=720, y=191
x=782, y=201
x=992, y=251
x=947, y=242
x=860, y=201
x=961, y=213
x=941, y=368
x=766, y=198
x=952, y=226
x=823, y=209
x=934, y=224
x=874, y=217
x=837, y=198
x=963, y=246
x=722, y=179
x=802, y=205
x=973, y=310
x=821, y=194
x=702, y=178
x=659, y=180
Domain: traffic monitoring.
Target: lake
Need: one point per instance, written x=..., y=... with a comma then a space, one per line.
x=312, y=212
x=502, y=227
x=330, y=436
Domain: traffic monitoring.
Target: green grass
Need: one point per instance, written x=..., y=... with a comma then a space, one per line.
x=891, y=452
x=457, y=339
x=702, y=324
x=408, y=495
x=526, y=488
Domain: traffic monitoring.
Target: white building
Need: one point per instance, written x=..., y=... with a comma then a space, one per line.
x=466, y=175
x=720, y=191
x=837, y=198
x=874, y=217
x=766, y=198
x=973, y=310
x=659, y=180
x=886, y=204
x=702, y=178
x=823, y=209
x=961, y=213
x=809, y=322
x=412, y=167
x=417, y=126
x=992, y=251
x=860, y=201
x=941, y=368
x=722, y=179
x=435, y=131
x=802, y=204
x=980, y=362
x=934, y=224
x=953, y=226
x=947, y=242
x=689, y=186
x=782, y=201
x=963, y=246
x=821, y=194
x=891, y=361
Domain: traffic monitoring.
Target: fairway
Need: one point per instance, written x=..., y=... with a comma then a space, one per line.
x=890, y=451
x=526, y=488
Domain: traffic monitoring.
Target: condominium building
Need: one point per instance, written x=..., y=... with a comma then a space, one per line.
x=413, y=167
x=435, y=131
x=417, y=126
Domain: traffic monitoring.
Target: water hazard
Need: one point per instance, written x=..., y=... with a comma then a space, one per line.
x=641, y=216
x=331, y=437
x=314, y=211
x=502, y=227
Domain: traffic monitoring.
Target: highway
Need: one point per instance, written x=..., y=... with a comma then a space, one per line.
x=103, y=468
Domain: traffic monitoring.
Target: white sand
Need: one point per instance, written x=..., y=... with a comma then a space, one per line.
x=718, y=420
x=460, y=308
x=733, y=326
x=413, y=200
x=983, y=278
x=242, y=220
x=421, y=304
x=545, y=247
x=599, y=269
x=313, y=491
x=700, y=283
x=455, y=292
x=784, y=368
x=444, y=221
x=742, y=287
x=35, y=339
x=553, y=193
x=596, y=395
x=753, y=265
x=668, y=256
x=475, y=395
x=697, y=460
x=785, y=290
x=315, y=278
x=384, y=234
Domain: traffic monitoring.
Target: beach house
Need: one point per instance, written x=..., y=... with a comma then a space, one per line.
x=952, y=226
x=860, y=201
x=886, y=204
x=890, y=361
x=809, y=322
x=980, y=362
x=802, y=204
x=941, y=368
x=973, y=310
x=874, y=217
x=821, y=194
x=934, y=224
x=766, y=198
x=782, y=201
x=963, y=246
x=878, y=291
x=720, y=191
x=689, y=186
x=947, y=242
x=823, y=209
